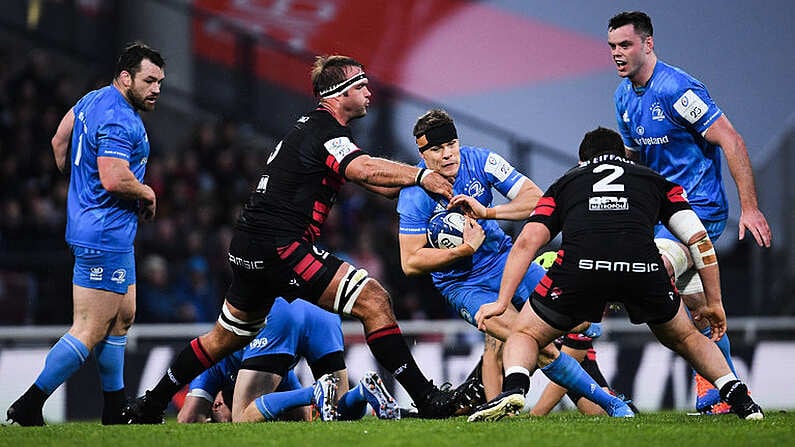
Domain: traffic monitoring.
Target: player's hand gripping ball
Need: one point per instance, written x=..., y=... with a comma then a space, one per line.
x=446, y=230
x=546, y=259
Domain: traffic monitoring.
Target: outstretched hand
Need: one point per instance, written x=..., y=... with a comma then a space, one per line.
x=754, y=221
x=469, y=205
x=487, y=311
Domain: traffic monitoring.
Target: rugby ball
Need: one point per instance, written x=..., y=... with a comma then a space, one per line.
x=446, y=230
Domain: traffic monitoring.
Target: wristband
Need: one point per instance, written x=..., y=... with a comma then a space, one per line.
x=421, y=174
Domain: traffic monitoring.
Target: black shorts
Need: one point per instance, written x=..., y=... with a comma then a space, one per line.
x=263, y=270
x=564, y=299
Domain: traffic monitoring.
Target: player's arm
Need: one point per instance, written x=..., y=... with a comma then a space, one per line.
x=60, y=141
x=117, y=179
x=534, y=235
x=723, y=134
x=686, y=226
x=417, y=259
x=197, y=407
x=380, y=172
x=518, y=208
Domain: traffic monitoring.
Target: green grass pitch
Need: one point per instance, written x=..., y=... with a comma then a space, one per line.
x=669, y=429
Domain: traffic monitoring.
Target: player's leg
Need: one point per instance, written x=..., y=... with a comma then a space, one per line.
x=679, y=335
x=109, y=355
x=249, y=405
x=371, y=390
x=93, y=311
x=520, y=356
x=353, y=292
x=679, y=264
x=491, y=374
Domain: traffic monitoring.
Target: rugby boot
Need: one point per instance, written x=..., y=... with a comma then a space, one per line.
x=507, y=403
x=735, y=393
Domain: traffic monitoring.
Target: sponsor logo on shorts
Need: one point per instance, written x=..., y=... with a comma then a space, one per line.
x=247, y=264
x=617, y=266
x=119, y=276
x=95, y=273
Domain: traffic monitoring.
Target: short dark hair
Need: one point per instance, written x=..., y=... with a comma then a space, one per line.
x=328, y=71
x=430, y=119
x=640, y=20
x=601, y=141
x=132, y=55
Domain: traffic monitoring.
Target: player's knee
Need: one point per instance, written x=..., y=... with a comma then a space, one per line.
x=547, y=355
x=357, y=290
x=690, y=284
x=241, y=326
x=676, y=256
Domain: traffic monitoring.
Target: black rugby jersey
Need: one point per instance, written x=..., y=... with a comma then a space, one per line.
x=300, y=180
x=607, y=209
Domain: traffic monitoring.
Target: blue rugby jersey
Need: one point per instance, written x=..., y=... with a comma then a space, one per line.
x=106, y=125
x=665, y=122
x=480, y=170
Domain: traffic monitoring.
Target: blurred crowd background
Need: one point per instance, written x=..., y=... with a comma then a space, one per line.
x=213, y=128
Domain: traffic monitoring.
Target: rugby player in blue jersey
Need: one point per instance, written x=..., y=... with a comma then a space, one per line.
x=108, y=147
x=670, y=123
x=265, y=386
x=468, y=275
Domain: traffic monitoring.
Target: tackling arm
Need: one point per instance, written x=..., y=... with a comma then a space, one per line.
x=534, y=235
x=686, y=226
x=117, y=179
x=380, y=172
x=723, y=134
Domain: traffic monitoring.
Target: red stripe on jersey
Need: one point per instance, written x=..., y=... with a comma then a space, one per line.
x=320, y=212
x=545, y=206
x=591, y=354
x=559, y=259
x=332, y=164
x=543, y=286
x=285, y=252
x=676, y=194
x=310, y=271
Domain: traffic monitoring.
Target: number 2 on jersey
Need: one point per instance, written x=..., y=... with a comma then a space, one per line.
x=607, y=183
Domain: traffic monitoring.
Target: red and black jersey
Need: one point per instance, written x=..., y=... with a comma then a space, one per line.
x=300, y=180
x=607, y=209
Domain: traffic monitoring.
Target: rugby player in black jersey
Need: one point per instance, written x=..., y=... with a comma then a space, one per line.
x=273, y=251
x=606, y=209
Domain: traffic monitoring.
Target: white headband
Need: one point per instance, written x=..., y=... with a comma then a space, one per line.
x=342, y=87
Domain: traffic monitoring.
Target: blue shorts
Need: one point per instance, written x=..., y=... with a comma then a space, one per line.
x=299, y=329
x=714, y=230
x=103, y=270
x=466, y=298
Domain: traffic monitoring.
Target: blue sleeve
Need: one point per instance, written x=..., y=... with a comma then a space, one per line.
x=690, y=105
x=621, y=123
x=415, y=208
x=113, y=140
x=500, y=174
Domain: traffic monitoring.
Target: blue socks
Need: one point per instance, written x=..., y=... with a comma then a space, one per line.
x=272, y=405
x=566, y=372
x=724, y=345
x=64, y=358
x=109, y=354
x=352, y=405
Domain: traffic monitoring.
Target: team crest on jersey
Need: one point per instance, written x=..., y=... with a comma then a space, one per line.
x=657, y=112
x=475, y=189
x=95, y=273
x=640, y=130
x=119, y=276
